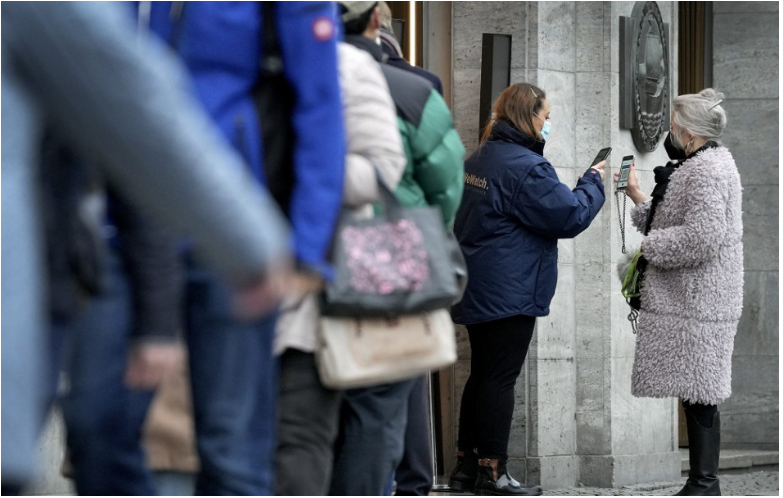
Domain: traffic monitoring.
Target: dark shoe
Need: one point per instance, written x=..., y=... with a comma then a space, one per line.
x=704, y=455
x=505, y=485
x=463, y=479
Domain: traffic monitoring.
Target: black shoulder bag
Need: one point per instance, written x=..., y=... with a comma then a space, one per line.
x=275, y=100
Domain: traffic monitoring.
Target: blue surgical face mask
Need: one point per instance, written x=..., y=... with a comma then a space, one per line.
x=545, y=130
x=546, y=127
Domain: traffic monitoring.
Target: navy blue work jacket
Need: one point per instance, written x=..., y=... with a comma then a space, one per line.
x=513, y=211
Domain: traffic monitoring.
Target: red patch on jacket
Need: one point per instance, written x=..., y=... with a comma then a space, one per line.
x=323, y=29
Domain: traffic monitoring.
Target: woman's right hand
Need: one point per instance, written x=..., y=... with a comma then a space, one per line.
x=634, y=188
x=600, y=169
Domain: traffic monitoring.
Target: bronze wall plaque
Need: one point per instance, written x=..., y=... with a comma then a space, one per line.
x=644, y=75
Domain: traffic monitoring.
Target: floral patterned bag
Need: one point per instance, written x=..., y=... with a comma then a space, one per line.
x=399, y=262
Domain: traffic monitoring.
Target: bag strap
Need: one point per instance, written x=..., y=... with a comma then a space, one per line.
x=271, y=57
x=391, y=205
x=275, y=101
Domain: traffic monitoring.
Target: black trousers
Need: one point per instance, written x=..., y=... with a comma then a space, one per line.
x=498, y=350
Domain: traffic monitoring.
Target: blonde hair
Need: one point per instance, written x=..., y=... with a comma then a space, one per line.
x=517, y=104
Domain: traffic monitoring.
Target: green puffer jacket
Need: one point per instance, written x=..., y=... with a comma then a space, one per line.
x=435, y=170
x=434, y=174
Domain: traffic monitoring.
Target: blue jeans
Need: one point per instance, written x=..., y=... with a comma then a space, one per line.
x=103, y=417
x=234, y=384
x=371, y=440
x=170, y=483
x=233, y=380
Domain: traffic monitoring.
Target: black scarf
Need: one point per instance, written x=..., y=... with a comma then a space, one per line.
x=662, y=175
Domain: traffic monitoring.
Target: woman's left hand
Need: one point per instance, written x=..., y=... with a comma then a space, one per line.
x=150, y=364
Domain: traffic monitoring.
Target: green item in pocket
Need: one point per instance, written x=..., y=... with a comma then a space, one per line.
x=633, y=276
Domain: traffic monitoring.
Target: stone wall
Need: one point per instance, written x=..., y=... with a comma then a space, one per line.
x=745, y=68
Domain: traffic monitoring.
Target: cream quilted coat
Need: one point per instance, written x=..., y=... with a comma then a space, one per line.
x=373, y=144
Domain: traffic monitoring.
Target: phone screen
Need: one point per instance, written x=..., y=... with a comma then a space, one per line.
x=625, y=172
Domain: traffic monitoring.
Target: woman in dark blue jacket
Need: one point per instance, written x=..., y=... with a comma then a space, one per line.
x=513, y=211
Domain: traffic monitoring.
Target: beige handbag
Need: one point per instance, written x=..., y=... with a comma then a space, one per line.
x=360, y=352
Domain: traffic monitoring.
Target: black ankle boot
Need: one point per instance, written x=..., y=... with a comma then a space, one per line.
x=463, y=478
x=704, y=455
x=504, y=486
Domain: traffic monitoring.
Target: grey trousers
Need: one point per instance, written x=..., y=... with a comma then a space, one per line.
x=308, y=422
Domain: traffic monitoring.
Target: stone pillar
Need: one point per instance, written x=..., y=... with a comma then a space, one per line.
x=746, y=64
x=575, y=419
x=470, y=21
x=552, y=364
x=437, y=43
x=621, y=439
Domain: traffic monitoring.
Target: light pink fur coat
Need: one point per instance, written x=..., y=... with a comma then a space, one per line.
x=692, y=290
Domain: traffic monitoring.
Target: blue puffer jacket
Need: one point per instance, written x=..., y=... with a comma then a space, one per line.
x=220, y=43
x=513, y=211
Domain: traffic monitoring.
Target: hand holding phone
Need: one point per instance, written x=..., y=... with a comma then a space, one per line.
x=625, y=172
x=600, y=161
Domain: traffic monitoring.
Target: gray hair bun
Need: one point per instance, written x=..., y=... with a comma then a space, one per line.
x=701, y=114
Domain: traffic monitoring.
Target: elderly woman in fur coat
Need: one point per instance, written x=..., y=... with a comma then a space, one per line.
x=691, y=296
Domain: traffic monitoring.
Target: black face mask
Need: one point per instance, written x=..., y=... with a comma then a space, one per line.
x=673, y=152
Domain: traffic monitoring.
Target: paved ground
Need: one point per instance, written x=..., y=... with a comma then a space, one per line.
x=752, y=482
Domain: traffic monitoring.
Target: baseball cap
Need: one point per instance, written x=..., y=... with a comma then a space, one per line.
x=355, y=10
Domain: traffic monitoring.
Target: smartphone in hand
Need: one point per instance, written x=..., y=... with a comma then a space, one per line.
x=625, y=172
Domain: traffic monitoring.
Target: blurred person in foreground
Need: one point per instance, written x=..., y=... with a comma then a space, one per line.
x=309, y=413
x=374, y=419
x=118, y=346
x=115, y=298
x=170, y=438
x=414, y=474
x=233, y=372
x=123, y=103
